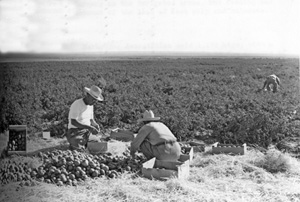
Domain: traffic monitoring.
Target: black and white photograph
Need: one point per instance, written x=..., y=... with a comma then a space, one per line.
x=149, y=101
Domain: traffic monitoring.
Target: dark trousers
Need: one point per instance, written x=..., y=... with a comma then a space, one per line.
x=78, y=138
x=167, y=151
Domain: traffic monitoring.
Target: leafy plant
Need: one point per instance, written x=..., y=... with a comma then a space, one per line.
x=191, y=95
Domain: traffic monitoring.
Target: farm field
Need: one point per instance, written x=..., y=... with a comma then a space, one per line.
x=209, y=99
x=196, y=97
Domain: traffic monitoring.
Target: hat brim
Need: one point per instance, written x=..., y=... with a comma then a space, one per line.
x=149, y=119
x=100, y=98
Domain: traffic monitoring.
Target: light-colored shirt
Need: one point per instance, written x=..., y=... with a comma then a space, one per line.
x=81, y=112
x=273, y=77
x=153, y=132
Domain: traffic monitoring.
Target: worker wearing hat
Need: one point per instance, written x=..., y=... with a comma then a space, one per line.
x=81, y=118
x=154, y=139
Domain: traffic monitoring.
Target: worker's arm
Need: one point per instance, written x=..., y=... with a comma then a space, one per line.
x=95, y=124
x=278, y=81
x=140, y=137
x=92, y=129
x=265, y=84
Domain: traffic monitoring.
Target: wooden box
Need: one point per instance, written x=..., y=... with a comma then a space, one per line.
x=96, y=147
x=218, y=148
x=198, y=147
x=189, y=155
x=163, y=170
x=122, y=135
x=46, y=135
x=17, y=139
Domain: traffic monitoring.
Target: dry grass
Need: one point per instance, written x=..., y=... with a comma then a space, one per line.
x=273, y=176
x=127, y=188
x=274, y=161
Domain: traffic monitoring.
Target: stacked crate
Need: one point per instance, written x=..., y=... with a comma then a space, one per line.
x=17, y=139
x=218, y=148
x=163, y=170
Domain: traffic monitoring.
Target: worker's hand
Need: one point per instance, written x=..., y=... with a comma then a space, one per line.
x=97, y=127
x=132, y=154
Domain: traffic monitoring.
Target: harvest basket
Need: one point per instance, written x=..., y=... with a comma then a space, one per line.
x=96, y=147
x=17, y=139
x=218, y=148
x=163, y=170
x=188, y=154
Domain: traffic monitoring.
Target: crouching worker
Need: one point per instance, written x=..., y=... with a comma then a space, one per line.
x=81, y=119
x=154, y=139
x=272, y=80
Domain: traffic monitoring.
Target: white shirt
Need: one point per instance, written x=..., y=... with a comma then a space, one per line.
x=81, y=112
x=274, y=78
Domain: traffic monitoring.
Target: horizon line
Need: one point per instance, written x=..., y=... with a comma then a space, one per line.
x=125, y=54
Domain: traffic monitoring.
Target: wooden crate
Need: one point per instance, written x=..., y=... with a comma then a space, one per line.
x=189, y=156
x=198, y=147
x=218, y=148
x=46, y=135
x=96, y=147
x=122, y=135
x=17, y=139
x=163, y=170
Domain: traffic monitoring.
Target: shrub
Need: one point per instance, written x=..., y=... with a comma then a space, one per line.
x=275, y=161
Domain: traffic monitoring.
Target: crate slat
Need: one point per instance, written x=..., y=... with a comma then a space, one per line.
x=229, y=149
x=165, y=169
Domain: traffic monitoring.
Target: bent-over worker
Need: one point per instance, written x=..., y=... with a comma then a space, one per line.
x=154, y=139
x=272, y=80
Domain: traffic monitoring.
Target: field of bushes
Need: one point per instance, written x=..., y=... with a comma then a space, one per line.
x=214, y=98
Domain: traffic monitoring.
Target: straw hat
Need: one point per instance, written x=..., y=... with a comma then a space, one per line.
x=95, y=92
x=148, y=115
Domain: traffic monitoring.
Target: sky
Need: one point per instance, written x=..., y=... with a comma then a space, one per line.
x=204, y=26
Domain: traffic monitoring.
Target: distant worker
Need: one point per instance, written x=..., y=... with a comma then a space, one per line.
x=154, y=139
x=271, y=80
x=81, y=119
